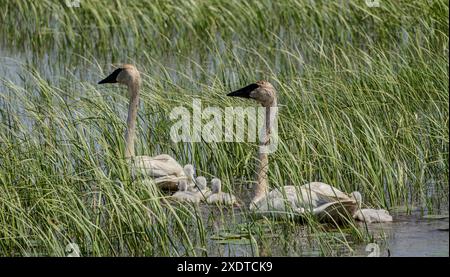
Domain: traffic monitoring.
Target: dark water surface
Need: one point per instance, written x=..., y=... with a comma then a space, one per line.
x=412, y=235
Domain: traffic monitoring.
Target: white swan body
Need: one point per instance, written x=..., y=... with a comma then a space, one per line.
x=163, y=168
x=320, y=200
x=219, y=197
x=316, y=198
x=201, y=190
x=311, y=195
x=189, y=172
x=183, y=195
x=158, y=166
x=372, y=215
x=302, y=200
x=324, y=193
x=165, y=171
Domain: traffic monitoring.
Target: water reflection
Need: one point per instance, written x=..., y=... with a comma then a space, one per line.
x=409, y=235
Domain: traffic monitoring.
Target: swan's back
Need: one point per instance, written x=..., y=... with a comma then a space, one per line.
x=325, y=192
x=373, y=215
x=284, y=199
x=186, y=196
x=290, y=198
x=164, y=169
x=203, y=194
x=320, y=199
x=338, y=211
x=221, y=198
x=158, y=166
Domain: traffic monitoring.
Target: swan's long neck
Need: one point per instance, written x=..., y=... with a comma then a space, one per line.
x=130, y=134
x=262, y=184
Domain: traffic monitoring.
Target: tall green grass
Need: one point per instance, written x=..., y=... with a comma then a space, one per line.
x=363, y=96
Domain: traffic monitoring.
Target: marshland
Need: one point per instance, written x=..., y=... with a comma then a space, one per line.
x=363, y=105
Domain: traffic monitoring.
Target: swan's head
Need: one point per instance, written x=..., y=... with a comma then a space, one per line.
x=357, y=196
x=182, y=185
x=216, y=185
x=261, y=91
x=189, y=170
x=201, y=182
x=126, y=74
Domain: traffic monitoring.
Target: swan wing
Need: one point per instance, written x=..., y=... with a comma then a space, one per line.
x=299, y=196
x=295, y=198
x=158, y=166
x=337, y=211
x=169, y=182
x=282, y=199
x=325, y=192
x=221, y=198
x=212, y=199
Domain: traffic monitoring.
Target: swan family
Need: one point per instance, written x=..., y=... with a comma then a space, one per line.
x=318, y=199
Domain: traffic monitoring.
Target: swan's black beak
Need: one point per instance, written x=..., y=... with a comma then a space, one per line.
x=244, y=92
x=112, y=78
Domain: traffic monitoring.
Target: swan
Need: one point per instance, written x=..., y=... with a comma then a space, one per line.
x=372, y=215
x=189, y=172
x=183, y=195
x=320, y=199
x=164, y=169
x=201, y=190
x=328, y=205
x=219, y=197
x=197, y=185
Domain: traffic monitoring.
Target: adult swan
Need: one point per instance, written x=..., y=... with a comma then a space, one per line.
x=163, y=168
x=316, y=198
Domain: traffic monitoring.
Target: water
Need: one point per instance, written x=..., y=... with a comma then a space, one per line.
x=410, y=235
x=413, y=235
